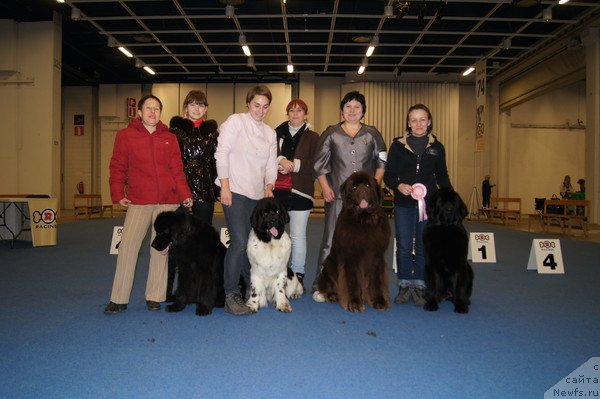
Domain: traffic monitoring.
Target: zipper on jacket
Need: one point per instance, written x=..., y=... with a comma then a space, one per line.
x=418, y=164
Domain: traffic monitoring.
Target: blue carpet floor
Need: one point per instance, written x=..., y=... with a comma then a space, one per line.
x=525, y=332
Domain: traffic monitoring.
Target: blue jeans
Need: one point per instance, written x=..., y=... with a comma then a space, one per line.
x=237, y=217
x=411, y=270
x=298, y=222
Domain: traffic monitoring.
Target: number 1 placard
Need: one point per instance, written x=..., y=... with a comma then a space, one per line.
x=546, y=256
x=482, y=247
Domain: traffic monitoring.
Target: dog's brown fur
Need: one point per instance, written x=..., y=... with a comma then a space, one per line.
x=355, y=271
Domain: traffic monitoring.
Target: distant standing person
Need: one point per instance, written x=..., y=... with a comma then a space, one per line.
x=198, y=142
x=146, y=177
x=247, y=169
x=581, y=183
x=566, y=189
x=344, y=148
x=486, y=191
x=296, y=148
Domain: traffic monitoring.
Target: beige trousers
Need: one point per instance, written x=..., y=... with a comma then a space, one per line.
x=137, y=221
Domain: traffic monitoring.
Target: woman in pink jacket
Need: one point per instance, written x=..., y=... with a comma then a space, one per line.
x=146, y=177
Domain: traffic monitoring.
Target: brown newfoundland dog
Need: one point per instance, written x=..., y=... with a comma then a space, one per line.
x=355, y=271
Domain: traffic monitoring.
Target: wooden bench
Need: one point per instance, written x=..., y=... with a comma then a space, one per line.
x=503, y=209
x=90, y=204
x=572, y=213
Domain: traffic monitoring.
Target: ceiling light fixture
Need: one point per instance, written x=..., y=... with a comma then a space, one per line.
x=388, y=11
x=149, y=70
x=506, y=44
x=111, y=42
x=75, y=14
x=374, y=43
x=139, y=63
x=290, y=68
x=250, y=62
x=526, y=3
x=563, y=1
x=242, y=42
x=363, y=66
x=229, y=11
x=468, y=71
x=60, y=1
x=125, y=51
x=547, y=14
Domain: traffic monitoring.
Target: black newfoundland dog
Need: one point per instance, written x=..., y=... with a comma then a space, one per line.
x=195, y=249
x=355, y=271
x=269, y=248
x=447, y=271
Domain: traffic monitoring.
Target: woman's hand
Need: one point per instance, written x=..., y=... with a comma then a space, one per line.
x=226, y=197
x=328, y=194
x=286, y=166
x=269, y=191
x=405, y=189
x=188, y=202
x=124, y=202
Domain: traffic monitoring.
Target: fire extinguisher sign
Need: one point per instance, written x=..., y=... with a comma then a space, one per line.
x=131, y=105
x=78, y=124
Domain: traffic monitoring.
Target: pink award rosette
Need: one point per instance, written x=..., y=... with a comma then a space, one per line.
x=419, y=191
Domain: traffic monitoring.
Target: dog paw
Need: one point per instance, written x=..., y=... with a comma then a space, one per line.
x=431, y=306
x=318, y=297
x=332, y=297
x=284, y=307
x=461, y=308
x=381, y=304
x=173, y=308
x=355, y=307
x=202, y=310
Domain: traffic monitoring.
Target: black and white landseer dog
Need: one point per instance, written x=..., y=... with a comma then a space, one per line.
x=269, y=248
x=447, y=271
x=195, y=249
x=355, y=272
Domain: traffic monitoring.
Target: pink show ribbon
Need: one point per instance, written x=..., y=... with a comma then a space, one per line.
x=419, y=191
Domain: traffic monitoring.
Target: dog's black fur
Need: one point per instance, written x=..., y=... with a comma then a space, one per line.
x=446, y=242
x=355, y=271
x=195, y=249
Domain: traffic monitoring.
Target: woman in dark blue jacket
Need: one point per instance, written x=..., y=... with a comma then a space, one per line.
x=417, y=157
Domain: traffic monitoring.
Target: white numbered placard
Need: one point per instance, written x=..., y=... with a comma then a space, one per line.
x=546, y=256
x=116, y=240
x=482, y=248
x=225, y=236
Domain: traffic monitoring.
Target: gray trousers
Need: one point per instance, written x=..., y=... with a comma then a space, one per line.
x=332, y=211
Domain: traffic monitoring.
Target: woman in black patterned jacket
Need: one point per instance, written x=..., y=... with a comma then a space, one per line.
x=198, y=141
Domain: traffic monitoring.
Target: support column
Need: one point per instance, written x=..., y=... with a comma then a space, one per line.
x=591, y=40
x=502, y=153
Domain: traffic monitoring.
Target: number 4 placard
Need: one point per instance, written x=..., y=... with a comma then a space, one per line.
x=546, y=256
x=482, y=247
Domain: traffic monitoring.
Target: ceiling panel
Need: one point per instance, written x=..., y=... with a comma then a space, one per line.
x=196, y=40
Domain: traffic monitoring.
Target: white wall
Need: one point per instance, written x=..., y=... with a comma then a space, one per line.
x=540, y=157
x=30, y=112
x=78, y=150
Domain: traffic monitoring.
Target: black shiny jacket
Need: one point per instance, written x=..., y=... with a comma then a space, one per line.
x=198, y=147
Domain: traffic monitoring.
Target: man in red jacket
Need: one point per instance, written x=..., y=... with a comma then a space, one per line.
x=147, y=178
